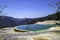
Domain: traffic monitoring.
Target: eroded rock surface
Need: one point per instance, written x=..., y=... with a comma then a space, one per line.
x=10, y=34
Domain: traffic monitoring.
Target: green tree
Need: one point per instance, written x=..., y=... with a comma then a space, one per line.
x=2, y=9
x=56, y=6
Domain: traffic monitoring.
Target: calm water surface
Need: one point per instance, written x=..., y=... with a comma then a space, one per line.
x=34, y=27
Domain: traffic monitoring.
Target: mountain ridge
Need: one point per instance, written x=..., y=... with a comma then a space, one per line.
x=6, y=21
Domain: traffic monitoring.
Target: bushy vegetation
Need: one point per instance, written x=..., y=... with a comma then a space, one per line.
x=55, y=16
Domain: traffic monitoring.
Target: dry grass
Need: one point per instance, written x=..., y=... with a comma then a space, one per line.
x=47, y=36
x=1, y=38
x=42, y=38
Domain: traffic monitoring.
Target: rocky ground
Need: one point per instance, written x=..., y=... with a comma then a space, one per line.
x=50, y=34
x=10, y=34
x=48, y=22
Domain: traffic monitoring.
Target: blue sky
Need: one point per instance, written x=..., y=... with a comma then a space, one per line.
x=28, y=8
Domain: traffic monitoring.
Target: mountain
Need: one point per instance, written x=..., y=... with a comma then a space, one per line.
x=55, y=16
x=6, y=21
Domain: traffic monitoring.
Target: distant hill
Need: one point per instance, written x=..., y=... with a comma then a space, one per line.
x=6, y=21
x=55, y=16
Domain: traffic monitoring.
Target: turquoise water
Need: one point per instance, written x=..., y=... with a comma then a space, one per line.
x=34, y=27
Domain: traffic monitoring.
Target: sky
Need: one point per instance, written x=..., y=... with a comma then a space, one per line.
x=28, y=8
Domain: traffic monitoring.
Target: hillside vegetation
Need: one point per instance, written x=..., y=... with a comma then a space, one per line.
x=55, y=16
x=6, y=21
